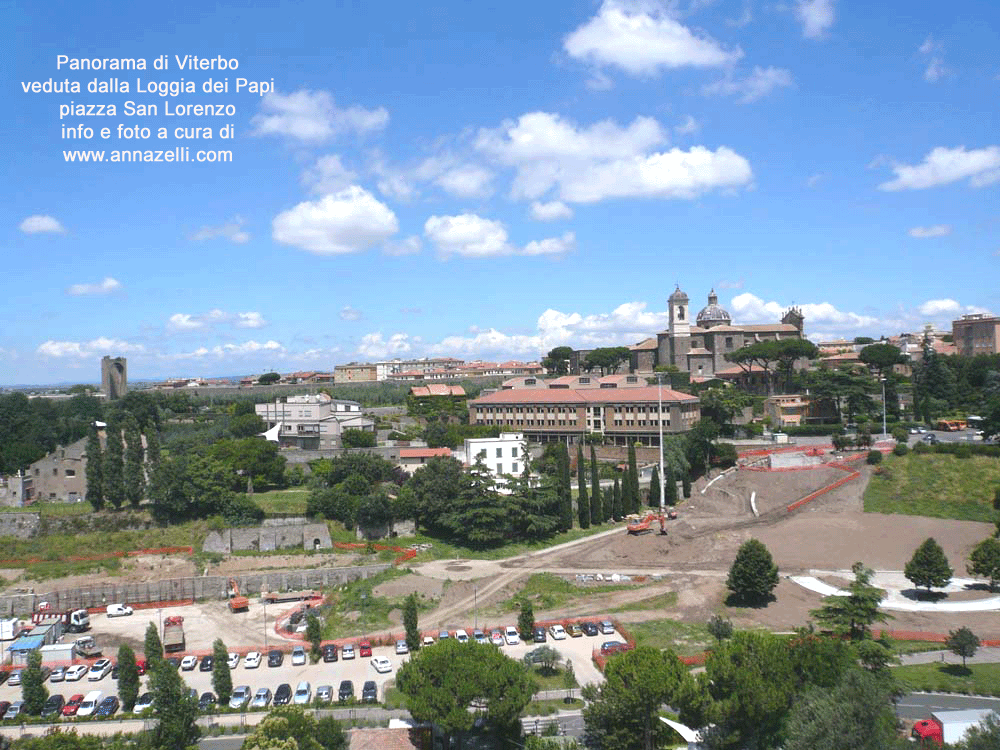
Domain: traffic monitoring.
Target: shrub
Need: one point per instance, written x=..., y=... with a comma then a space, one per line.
x=874, y=457
x=901, y=449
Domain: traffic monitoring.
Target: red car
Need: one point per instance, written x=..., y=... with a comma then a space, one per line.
x=365, y=649
x=143, y=666
x=72, y=705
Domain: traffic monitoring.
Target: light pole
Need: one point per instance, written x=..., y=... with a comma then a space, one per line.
x=659, y=422
x=885, y=435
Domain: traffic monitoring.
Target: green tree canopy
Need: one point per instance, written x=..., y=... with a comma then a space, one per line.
x=853, y=614
x=606, y=359
x=525, y=618
x=929, y=566
x=176, y=711
x=33, y=690
x=962, y=642
x=153, y=646
x=881, y=357
x=268, y=378
x=410, y=622
x=556, y=362
x=285, y=728
x=128, y=677
x=753, y=574
x=985, y=561
x=222, y=679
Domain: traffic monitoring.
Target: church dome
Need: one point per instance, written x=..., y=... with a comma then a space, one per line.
x=712, y=314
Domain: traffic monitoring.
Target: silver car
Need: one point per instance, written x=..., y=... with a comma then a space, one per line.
x=324, y=693
x=303, y=694
x=262, y=699
x=240, y=697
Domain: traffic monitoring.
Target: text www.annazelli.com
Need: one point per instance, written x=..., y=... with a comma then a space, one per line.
x=179, y=154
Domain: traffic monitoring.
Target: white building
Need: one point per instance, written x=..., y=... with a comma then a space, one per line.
x=312, y=422
x=503, y=456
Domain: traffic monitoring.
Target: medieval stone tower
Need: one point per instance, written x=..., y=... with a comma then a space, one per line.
x=114, y=377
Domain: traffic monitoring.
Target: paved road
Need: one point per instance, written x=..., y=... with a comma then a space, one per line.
x=983, y=656
x=915, y=706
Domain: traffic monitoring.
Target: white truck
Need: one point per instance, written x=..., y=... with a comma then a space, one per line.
x=948, y=726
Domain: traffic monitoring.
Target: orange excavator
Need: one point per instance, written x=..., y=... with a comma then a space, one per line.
x=642, y=525
x=237, y=602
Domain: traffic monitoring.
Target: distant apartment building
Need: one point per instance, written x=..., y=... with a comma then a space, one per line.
x=311, y=422
x=355, y=372
x=622, y=415
x=389, y=369
x=976, y=334
x=502, y=456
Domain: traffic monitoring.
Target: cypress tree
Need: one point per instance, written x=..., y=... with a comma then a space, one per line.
x=669, y=486
x=134, y=473
x=113, y=466
x=686, y=484
x=410, y=622
x=153, y=646
x=222, y=679
x=654, y=488
x=128, y=677
x=565, y=488
x=153, y=447
x=596, y=508
x=616, y=501
x=33, y=689
x=582, y=501
x=633, y=478
x=95, y=474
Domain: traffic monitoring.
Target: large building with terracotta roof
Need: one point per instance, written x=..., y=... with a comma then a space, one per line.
x=622, y=414
x=699, y=347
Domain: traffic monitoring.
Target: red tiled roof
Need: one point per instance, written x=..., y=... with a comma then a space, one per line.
x=384, y=739
x=423, y=452
x=583, y=395
x=437, y=389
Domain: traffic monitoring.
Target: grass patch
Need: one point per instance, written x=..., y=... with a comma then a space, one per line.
x=552, y=706
x=660, y=601
x=935, y=485
x=550, y=679
x=686, y=639
x=394, y=698
x=282, y=501
x=443, y=550
x=916, y=647
x=976, y=679
x=549, y=591
x=354, y=610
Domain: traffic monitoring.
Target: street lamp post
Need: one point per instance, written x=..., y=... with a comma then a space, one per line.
x=885, y=435
x=659, y=422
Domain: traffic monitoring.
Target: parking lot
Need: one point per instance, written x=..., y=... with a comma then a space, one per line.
x=578, y=650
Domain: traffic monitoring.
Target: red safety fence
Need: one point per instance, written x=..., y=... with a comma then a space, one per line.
x=95, y=558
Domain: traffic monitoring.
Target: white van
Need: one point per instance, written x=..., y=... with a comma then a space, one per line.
x=119, y=610
x=90, y=703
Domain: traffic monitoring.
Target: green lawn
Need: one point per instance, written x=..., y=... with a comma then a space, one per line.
x=292, y=500
x=550, y=680
x=549, y=707
x=977, y=679
x=935, y=485
x=660, y=601
x=550, y=591
x=441, y=550
x=353, y=609
x=686, y=639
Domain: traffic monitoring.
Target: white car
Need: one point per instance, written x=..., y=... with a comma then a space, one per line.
x=381, y=664
x=402, y=648
x=99, y=670
x=428, y=640
x=558, y=632
x=347, y=652
x=511, y=636
x=58, y=674
x=15, y=677
x=298, y=656
x=233, y=661
x=119, y=610
x=189, y=662
x=76, y=673
x=303, y=694
x=251, y=660
x=461, y=636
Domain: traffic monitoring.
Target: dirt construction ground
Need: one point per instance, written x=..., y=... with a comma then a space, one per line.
x=830, y=533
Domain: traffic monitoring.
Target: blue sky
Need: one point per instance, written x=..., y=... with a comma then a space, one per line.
x=488, y=181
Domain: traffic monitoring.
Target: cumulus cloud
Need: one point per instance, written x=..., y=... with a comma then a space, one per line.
x=455, y=175
x=348, y=221
x=106, y=286
x=934, y=307
x=816, y=16
x=748, y=308
x=473, y=236
x=643, y=40
x=466, y=181
x=551, y=211
x=757, y=85
x=943, y=166
x=180, y=322
x=606, y=160
x=938, y=230
x=221, y=351
x=349, y=313
x=327, y=175
x=232, y=230
x=374, y=346
x=87, y=349
x=40, y=223
x=312, y=116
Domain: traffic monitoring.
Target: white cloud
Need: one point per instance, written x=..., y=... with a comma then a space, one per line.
x=348, y=221
x=687, y=127
x=373, y=346
x=327, y=175
x=312, y=116
x=88, y=349
x=934, y=307
x=349, y=313
x=551, y=211
x=605, y=160
x=643, y=39
x=181, y=322
x=760, y=83
x=814, y=179
x=730, y=284
x=473, y=236
x=935, y=69
x=466, y=181
x=232, y=230
x=748, y=308
x=40, y=223
x=409, y=246
x=816, y=16
x=234, y=350
x=106, y=286
x=946, y=165
x=938, y=230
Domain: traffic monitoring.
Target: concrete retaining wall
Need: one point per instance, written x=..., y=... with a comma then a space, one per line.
x=180, y=589
x=20, y=525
